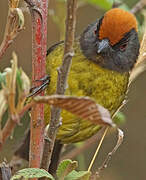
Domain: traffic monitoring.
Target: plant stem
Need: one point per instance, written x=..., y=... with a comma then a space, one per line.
x=39, y=40
x=61, y=82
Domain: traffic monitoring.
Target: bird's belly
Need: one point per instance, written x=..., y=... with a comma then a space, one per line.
x=108, y=88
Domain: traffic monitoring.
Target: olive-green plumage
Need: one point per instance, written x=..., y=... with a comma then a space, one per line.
x=86, y=78
x=105, y=53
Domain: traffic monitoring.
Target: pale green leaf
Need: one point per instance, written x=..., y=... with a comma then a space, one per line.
x=65, y=167
x=32, y=173
x=105, y=4
x=119, y=118
x=81, y=175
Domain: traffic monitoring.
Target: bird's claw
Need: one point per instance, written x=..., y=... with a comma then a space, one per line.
x=38, y=89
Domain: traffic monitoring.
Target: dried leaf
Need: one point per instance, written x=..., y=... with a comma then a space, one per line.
x=15, y=22
x=83, y=107
x=13, y=3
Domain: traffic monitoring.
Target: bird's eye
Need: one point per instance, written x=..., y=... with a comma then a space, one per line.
x=95, y=31
x=123, y=46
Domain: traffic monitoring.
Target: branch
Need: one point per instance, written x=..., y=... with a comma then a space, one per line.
x=110, y=154
x=62, y=81
x=140, y=66
x=140, y=5
x=15, y=23
x=5, y=171
x=39, y=41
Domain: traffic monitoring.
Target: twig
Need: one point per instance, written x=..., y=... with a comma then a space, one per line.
x=39, y=38
x=105, y=163
x=15, y=23
x=140, y=5
x=62, y=80
x=5, y=171
x=5, y=44
x=98, y=148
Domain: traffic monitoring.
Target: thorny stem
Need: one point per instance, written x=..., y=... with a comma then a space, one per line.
x=62, y=80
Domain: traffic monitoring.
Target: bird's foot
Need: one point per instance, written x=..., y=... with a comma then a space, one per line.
x=39, y=88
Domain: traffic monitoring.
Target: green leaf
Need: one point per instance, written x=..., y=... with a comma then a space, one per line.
x=18, y=79
x=2, y=79
x=119, y=118
x=105, y=4
x=81, y=175
x=125, y=7
x=65, y=167
x=62, y=0
x=32, y=173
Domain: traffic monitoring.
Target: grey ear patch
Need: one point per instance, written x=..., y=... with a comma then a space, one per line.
x=88, y=41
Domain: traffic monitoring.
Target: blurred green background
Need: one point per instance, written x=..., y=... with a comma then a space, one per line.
x=129, y=161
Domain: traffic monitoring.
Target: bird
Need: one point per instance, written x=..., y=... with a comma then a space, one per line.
x=105, y=54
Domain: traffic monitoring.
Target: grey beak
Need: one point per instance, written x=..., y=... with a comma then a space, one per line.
x=102, y=45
